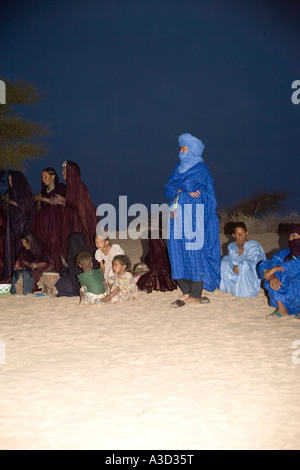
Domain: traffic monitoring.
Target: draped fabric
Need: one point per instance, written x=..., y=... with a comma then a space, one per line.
x=193, y=155
x=68, y=285
x=246, y=283
x=79, y=211
x=48, y=223
x=18, y=219
x=2, y=237
x=37, y=253
x=294, y=244
x=194, y=245
x=158, y=277
x=289, y=292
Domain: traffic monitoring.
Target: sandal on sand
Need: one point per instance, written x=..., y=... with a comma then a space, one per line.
x=204, y=300
x=178, y=303
x=277, y=316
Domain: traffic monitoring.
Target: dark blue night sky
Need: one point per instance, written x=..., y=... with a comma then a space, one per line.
x=125, y=78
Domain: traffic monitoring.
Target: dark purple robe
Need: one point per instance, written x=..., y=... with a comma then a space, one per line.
x=48, y=222
x=80, y=212
x=158, y=277
x=18, y=219
x=2, y=237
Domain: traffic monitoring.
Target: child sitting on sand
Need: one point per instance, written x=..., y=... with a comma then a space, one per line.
x=122, y=285
x=238, y=270
x=105, y=253
x=91, y=280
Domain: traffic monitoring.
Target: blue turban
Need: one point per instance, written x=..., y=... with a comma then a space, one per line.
x=193, y=155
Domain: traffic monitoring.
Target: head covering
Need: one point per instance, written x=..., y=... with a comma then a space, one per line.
x=294, y=228
x=21, y=193
x=193, y=155
x=294, y=245
x=79, y=200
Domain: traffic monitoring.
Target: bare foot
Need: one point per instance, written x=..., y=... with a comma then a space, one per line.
x=282, y=310
x=184, y=297
x=192, y=300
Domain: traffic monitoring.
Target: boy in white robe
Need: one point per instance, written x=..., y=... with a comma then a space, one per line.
x=238, y=270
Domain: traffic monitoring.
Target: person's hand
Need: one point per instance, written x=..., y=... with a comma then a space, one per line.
x=236, y=270
x=58, y=199
x=275, y=283
x=196, y=194
x=37, y=197
x=6, y=199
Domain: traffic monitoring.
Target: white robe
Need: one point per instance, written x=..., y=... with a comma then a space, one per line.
x=246, y=283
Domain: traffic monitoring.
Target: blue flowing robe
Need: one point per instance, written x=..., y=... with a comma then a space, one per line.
x=195, y=258
x=246, y=283
x=289, y=292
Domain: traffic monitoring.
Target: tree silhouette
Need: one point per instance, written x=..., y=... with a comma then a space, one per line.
x=260, y=204
x=21, y=140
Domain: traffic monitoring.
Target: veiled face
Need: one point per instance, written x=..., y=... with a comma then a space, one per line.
x=47, y=179
x=184, y=149
x=294, y=236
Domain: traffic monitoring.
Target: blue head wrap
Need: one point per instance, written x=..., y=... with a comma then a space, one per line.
x=193, y=155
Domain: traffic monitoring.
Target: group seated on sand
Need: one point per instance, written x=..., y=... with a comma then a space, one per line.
x=245, y=269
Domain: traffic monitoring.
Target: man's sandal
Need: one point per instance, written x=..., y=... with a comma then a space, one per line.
x=277, y=316
x=178, y=303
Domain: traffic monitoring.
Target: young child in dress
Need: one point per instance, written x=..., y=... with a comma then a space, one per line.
x=105, y=254
x=91, y=280
x=122, y=285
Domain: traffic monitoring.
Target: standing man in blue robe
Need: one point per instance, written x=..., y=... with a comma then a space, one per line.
x=193, y=239
x=281, y=277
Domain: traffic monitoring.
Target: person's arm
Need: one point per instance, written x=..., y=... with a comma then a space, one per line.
x=102, y=266
x=269, y=274
x=111, y=295
x=9, y=201
x=37, y=265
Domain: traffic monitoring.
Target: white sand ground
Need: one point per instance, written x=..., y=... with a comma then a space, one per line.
x=148, y=376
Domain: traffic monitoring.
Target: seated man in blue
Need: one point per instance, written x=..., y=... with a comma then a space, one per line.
x=238, y=269
x=281, y=277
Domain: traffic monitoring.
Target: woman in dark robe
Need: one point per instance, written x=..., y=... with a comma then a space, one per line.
x=34, y=256
x=158, y=277
x=2, y=236
x=80, y=212
x=48, y=216
x=19, y=217
x=68, y=285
